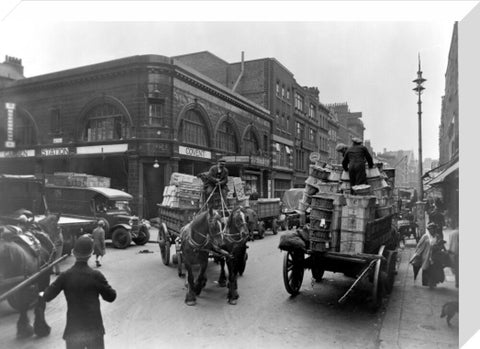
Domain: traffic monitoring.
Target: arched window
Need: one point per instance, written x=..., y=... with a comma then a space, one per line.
x=251, y=144
x=105, y=122
x=23, y=130
x=192, y=129
x=226, y=138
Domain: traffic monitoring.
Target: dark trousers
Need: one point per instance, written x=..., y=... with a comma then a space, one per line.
x=91, y=343
x=357, y=174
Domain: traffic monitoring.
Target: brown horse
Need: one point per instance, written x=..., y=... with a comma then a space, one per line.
x=200, y=237
x=20, y=260
x=235, y=243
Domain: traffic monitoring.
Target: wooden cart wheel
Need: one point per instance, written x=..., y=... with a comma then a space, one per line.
x=377, y=282
x=293, y=271
x=164, y=243
x=261, y=229
x=275, y=226
x=390, y=270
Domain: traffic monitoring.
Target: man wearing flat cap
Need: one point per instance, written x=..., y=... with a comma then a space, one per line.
x=354, y=162
x=82, y=287
x=217, y=175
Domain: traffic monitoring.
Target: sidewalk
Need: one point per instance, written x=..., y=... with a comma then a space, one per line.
x=412, y=318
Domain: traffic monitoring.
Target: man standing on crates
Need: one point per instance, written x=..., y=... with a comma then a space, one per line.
x=217, y=177
x=354, y=162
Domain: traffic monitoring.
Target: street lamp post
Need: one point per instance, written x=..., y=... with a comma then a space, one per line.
x=420, y=204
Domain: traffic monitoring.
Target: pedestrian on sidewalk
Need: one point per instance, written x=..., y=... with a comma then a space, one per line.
x=430, y=256
x=81, y=286
x=99, y=247
x=453, y=244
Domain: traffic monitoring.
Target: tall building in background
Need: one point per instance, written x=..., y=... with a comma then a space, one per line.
x=442, y=181
x=350, y=123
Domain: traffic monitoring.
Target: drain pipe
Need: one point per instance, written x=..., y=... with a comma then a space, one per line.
x=240, y=76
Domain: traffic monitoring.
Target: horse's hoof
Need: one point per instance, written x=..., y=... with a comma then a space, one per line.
x=27, y=332
x=190, y=303
x=43, y=331
x=232, y=301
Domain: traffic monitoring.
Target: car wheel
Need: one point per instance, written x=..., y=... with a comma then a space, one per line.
x=121, y=238
x=143, y=236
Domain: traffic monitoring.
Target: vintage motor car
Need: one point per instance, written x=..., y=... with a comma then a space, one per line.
x=290, y=215
x=112, y=206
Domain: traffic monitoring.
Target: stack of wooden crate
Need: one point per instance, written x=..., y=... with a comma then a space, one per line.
x=184, y=191
x=316, y=184
x=74, y=179
x=358, y=211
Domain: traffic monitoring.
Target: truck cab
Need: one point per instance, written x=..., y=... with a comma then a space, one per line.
x=27, y=193
x=112, y=206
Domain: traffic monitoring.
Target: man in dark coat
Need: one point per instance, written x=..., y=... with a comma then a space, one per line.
x=354, y=162
x=82, y=285
x=217, y=175
x=437, y=217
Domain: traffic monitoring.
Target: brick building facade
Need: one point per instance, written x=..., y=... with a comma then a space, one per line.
x=119, y=118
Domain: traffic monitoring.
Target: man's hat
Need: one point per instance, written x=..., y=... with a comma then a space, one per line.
x=431, y=226
x=83, y=247
x=222, y=160
x=101, y=223
x=341, y=146
x=357, y=140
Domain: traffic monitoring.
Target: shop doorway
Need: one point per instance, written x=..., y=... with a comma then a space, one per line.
x=153, y=186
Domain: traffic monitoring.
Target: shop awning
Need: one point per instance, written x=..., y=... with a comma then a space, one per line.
x=444, y=174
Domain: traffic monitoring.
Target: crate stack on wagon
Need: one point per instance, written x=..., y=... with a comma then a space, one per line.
x=340, y=213
x=184, y=191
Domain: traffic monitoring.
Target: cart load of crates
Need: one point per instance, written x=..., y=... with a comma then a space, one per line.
x=339, y=214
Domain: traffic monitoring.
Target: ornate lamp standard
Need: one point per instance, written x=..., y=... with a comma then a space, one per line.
x=420, y=204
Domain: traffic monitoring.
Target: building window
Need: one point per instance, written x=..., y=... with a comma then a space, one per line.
x=193, y=130
x=250, y=142
x=300, y=160
x=283, y=91
x=288, y=123
x=277, y=118
x=298, y=102
x=311, y=135
x=106, y=122
x=55, y=122
x=311, y=112
x=277, y=89
x=299, y=129
x=156, y=113
x=288, y=93
x=226, y=138
x=284, y=122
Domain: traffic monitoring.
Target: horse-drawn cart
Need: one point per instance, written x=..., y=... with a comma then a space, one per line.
x=360, y=248
x=266, y=213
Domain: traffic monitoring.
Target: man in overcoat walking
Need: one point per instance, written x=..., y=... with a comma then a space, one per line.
x=82, y=286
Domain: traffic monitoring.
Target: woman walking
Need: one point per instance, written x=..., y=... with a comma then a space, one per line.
x=98, y=235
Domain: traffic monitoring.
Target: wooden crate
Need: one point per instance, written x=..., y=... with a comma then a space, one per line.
x=352, y=242
x=319, y=214
x=317, y=223
x=310, y=190
x=268, y=208
x=322, y=202
x=360, y=201
x=377, y=183
x=319, y=234
x=319, y=245
x=359, y=212
x=383, y=211
x=336, y=218
x=354, y=224
x=319, y=172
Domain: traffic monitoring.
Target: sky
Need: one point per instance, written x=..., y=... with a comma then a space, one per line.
x=367, y=60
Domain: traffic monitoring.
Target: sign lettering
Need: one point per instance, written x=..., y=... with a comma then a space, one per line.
x=198, y=153
x=10, y=143
x=25, y=153
x=54, y=151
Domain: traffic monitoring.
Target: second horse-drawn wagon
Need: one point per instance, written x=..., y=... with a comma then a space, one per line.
x=349, y=234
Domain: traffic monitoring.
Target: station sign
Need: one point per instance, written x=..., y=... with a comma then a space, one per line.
x=24, y=153
x=102, y=149
x=55, y=151
x=194, y=152
x=10, y=143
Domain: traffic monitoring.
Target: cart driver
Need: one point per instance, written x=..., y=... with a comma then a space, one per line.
x=217, y=175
